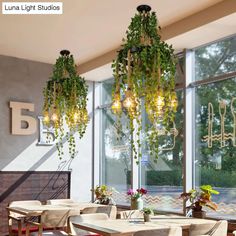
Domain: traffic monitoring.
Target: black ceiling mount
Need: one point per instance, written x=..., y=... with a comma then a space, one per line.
x=144, y=8
x=65, y=52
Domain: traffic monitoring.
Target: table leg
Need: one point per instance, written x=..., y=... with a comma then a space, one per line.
x=40, y=230
x=185, y=232
x=10, y=226
x=19, y=228
x=27, y=233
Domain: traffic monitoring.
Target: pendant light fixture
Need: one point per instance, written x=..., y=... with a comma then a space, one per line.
x=144, y=69
x=65, y=101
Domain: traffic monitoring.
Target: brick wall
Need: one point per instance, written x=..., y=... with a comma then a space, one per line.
x=31, y=185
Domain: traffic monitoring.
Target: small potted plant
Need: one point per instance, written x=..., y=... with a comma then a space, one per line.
x=200, y=198
x=136, y=198
x=146, y=214
x=103, y=195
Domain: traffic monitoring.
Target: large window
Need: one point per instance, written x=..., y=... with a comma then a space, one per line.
x=115, y=148
x=215, y=59
x=215, y=123
x=164, y=178
x=212, y=106
x=215, y=158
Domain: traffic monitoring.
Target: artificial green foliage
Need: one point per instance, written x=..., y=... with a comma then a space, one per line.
x=200, y=198
x=147, y=211
x=145, y=69
x=65, y=99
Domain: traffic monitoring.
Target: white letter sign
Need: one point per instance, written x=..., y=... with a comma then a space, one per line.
x=18, y=119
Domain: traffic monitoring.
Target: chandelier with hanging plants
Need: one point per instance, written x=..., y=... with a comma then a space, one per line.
x=65, y=99
x=144, y=70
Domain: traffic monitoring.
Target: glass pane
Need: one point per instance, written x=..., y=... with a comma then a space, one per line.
x=116, y=161
x=107, y=86
x=215, y=59
x=179, y=77
x=215, y=144
x=163, y=180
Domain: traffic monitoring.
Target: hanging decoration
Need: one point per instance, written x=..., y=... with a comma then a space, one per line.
x=65, y=99
x=144, y=70
x=223, y=136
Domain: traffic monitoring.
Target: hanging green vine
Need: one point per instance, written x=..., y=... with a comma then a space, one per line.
x=65, y=99
x=145, y=68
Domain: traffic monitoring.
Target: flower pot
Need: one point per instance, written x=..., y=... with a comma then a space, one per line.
x=146, y=217
x=136, y=203
x=199, y=214
x=102, y=201
x=105, y=201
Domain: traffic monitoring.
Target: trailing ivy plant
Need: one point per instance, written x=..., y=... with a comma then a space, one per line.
x=65, y=101
x=145, y=69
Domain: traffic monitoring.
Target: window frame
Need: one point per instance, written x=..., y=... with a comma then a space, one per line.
x=188, y=85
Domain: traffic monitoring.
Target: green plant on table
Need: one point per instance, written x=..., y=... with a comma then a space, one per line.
x=103, y=194
x=200, y=198
x=147, y=211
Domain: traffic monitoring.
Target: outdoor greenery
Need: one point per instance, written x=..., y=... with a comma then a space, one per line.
x=216, y=165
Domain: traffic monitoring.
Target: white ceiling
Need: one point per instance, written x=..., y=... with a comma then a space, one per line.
x=91, y=28
x=87, y=28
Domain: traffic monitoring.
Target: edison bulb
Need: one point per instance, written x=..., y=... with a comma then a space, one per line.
x=160, y=101
x=85, y=117
x=46, y=119
x=54, y=117
x=116, y=106
x=174, y=103
x=128, y=102
x=76, y=116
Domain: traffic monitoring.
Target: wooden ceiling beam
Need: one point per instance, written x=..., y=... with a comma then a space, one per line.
x=208, y=15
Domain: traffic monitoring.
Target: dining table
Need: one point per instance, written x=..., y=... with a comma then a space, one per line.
x=37, y=210
x=128, y=227
x=31, y=211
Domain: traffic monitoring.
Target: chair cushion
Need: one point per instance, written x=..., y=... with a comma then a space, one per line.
x=50, y=233
x=23, y=230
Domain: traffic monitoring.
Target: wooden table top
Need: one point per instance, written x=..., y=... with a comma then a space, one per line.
x=35, y=210
x=128, y=227
x=81, y=205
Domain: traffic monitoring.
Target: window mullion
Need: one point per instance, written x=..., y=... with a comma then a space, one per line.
x=188, y=123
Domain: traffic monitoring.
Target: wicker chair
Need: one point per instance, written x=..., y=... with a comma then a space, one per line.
x=216, y=229
x=59, y=201
x=85, y=217
x=172, y=231
x=52, y=222
x=19, y=219
x=129, y=214
x=111, y=211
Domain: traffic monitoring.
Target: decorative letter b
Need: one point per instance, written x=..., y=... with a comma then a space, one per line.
x=18, y=118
